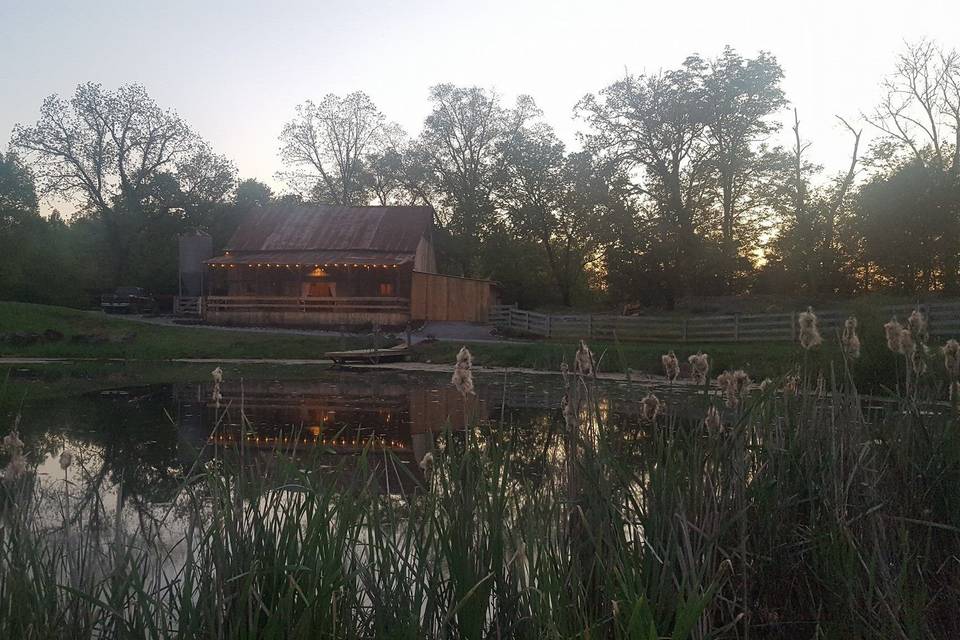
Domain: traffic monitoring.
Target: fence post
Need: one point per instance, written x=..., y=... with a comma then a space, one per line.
x=736, y=327
x=793, y=326
x=590, y=326
x=685, y=329
x=549, y=324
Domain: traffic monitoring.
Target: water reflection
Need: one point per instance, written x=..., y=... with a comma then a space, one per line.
x=138, y=444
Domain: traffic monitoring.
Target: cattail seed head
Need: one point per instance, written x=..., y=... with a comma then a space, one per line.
x=217, y=375
x=892, y=331
x=850, y=340
x=650, y=408
x=809, y=334
x=66, y=459
x=12, y=442
x=583, y=360
x=951, y=359
x=463, y=372
x=699, y=367
x=427, y=461
x=917, y=324
x=712, y=420
x=905, y=343
x=766, y=384
x=734, y=386
x=671, y=367
x=791, y=385
x=16, y=468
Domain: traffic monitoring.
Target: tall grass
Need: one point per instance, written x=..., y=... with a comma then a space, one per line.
x=804, y=515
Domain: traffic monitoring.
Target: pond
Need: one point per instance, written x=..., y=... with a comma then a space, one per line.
x=137, y=444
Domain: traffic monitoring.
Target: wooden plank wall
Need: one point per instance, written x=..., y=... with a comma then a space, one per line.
x=448, y=298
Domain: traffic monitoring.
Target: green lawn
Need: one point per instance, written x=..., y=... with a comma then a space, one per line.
x=138, y=341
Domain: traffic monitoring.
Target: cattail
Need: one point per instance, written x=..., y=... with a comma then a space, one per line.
x=809, y=334
x=427, y=461
x=918, y=361
x=12, y=442
x=66, y=459
x=712, y=420
x=951, y=359
x=650, y=408
x=18, y=462
x=917, y=324
x=671, y=366
x=850, y=340
x=791, y=385
x=699, y=367
x=766, y=384
x=734, y=385
x=892, y=330
x=583, y=360
x=16, y=468
x=463, y=372
x=217, y=375
x=905, y=343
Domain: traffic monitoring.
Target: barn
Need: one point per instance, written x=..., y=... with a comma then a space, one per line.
x=330, y=266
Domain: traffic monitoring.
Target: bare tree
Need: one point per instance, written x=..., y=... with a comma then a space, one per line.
x=326, y=146
x=920, y=108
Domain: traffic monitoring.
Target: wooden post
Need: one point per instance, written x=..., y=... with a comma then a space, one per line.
x=590, y=326
x=793, y=326
x=549, y=324
x=736, y=328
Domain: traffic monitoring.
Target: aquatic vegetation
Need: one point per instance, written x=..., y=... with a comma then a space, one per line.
x=784, y=515
x=699, y=367
x=671, y=366
x=849, y=340
x=463, y=372
x=809, y=333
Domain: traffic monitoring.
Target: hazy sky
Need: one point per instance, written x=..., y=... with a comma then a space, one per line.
x=235, y=70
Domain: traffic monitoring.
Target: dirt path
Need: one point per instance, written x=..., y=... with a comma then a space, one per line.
x=446, y=368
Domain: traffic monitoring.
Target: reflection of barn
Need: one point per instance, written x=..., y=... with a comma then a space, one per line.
x=337, y=420
x=329, y=265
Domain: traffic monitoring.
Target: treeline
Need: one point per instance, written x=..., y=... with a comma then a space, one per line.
x=684, y=183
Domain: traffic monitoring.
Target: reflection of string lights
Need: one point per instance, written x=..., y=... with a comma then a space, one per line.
x=372, y=442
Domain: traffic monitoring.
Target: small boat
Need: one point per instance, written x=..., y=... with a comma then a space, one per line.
x=371, y=356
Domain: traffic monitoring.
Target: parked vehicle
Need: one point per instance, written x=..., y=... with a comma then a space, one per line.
x=128, y=300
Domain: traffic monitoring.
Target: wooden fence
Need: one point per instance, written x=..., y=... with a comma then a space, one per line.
x=943, y=319
x=306, y=312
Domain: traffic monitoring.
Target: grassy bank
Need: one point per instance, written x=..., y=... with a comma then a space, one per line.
x=122, y=338
x=117, y=337
x=789, y=518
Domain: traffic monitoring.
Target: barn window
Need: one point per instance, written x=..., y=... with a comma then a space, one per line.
x=387, y=289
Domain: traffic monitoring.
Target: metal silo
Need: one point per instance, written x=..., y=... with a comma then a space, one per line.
x=195, y=247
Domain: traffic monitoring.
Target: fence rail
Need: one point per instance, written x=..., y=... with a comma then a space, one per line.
x=306, y=305
x=943, y=319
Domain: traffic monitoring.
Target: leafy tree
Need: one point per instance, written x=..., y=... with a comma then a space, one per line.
x=252, y=193
x=459, y=143
x=741, y=96
x=553, y=199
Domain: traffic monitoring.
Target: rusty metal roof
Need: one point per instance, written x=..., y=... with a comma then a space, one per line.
x=313, y=257
x=292, y=227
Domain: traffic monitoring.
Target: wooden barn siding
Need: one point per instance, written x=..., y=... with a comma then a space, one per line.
x=331, y=319
x=448, y=298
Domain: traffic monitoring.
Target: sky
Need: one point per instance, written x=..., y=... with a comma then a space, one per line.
x=236, y=70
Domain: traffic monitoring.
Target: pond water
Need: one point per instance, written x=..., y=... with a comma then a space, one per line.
x=138, y=443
